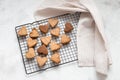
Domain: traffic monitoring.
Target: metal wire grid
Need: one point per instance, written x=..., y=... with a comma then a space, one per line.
x=68, y=53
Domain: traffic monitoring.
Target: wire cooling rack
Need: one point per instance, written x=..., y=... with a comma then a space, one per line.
x=68, y=53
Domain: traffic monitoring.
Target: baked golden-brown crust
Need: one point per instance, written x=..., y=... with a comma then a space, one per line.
x=54, y=46
x=53, y=22
x=41, y=60
x=55, y=32
x=31, y=42
x=65, y=39
x=30, y=54
x=55, y=58
x=34, y=33
x=45, y=40
x=22, y=31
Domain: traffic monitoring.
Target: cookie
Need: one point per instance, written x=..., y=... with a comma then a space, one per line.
x=65, y=39
x=22, y=31
x=68, y=27
x=30, y=54
x=53, y=22
x=34, y=33
x=31, y=42
x=41, y=60
x=44, y=28
x=55, y=32
x=46, y=40
x=55, y=58
x=42, y=50
x=54, y=46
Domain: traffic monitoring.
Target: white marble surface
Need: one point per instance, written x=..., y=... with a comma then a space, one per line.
x=16, y=12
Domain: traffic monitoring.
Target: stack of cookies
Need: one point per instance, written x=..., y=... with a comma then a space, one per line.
x=47, y=41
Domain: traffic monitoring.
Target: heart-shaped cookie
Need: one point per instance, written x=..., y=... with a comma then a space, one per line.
x=54, y=46
x=55, y=32
x=53, y=22
x=46, y=40
x=44, y=28
x=31, y=42
x=22, y=31
x=65, y=39
x=42, y=50
x=30, y=54
x=41, y=60
x=68, y=27
x=34, y=33
x=55, y=58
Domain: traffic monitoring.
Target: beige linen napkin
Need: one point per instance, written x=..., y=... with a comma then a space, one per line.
x=91, y=41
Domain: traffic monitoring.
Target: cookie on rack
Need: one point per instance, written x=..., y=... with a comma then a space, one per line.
x=65, y=39
x=34, y=33
x=55, y=58
x=22, y=31
x=54, y=46
x=30, y=54
x=42, y=50
x=53, y=22
x=68, y=27
x=55, y=32
x=41, y=61
x=31, y=42
x=45, y=40
x=44, y=28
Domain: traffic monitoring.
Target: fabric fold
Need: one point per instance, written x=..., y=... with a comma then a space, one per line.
x=91, y=41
